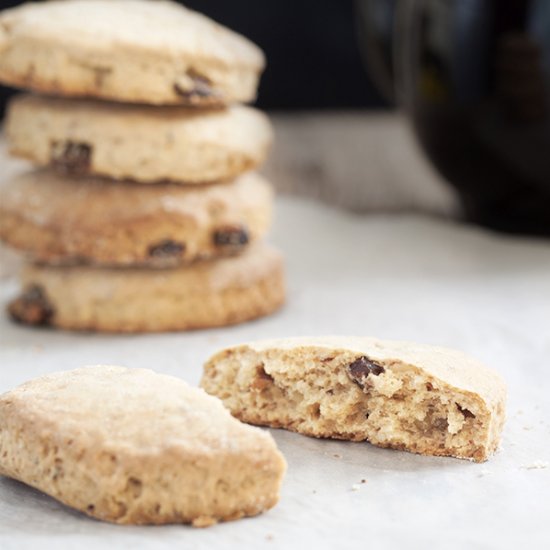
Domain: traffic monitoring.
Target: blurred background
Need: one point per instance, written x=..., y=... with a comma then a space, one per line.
x=338, y=139
x=471, y=81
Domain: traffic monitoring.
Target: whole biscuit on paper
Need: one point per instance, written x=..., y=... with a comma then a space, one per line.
x=202, y=295
x=136, y=447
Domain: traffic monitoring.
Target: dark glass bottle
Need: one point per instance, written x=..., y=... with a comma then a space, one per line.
x=474, y=76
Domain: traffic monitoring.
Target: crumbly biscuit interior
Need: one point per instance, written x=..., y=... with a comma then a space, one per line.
x=345, y=395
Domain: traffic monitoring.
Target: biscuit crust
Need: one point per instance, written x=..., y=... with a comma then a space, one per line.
x=202, y=295
x=142, y=143
x=61, y=219
x=133, y=51
x=132, y=446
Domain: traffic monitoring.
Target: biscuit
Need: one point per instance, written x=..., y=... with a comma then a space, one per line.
x=136, y=51
x=204, y=294
x=401, y=395
x=58, y=218
x=142, y=143
x=135, y=447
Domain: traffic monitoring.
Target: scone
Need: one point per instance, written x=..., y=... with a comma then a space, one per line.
x=402, y=395
x=137, y=51
x=204, y=294
x=136, y=447
x=142, y=143
x=57, y=218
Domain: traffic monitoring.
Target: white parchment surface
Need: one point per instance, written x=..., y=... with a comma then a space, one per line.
x=401, y=277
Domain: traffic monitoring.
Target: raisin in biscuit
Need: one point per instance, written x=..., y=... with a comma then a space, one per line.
x=136, y=447
x=59, y=218
x=407, y=396
x=204, y=294
x=142, y=143
x=137, y=51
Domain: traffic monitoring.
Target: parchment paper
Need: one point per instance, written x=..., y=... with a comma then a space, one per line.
x=404, y=277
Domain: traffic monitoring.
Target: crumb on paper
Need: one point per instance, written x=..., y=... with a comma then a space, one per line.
x=269, y=536
x=536, y=465
x=337, y=455
x=527, y=428
x=363, y=480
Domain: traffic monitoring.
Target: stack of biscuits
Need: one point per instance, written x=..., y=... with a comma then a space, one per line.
x=145, y=213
